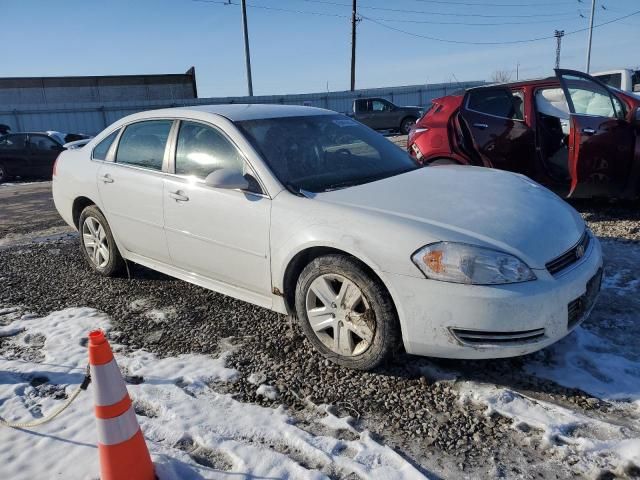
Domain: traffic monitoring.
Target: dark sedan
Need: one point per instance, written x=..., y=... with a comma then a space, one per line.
x=28, y=155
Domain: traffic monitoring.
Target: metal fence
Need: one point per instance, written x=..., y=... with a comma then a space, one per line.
x=91, y=118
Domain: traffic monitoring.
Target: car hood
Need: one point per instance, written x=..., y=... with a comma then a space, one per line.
x=482, y=206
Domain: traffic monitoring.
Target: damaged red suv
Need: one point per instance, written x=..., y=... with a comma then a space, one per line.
x=570, y=132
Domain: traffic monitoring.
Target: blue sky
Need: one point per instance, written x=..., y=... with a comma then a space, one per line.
x=300, y=52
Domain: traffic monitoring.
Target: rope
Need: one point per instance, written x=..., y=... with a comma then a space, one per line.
x=56, y=412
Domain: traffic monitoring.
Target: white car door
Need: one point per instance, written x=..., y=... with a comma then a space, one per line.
x=217, y=233
x=131, y=189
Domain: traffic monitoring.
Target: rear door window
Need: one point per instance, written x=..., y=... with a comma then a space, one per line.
x=142, y=144
x=496, y=102
x=42, y=143
x=379, y=106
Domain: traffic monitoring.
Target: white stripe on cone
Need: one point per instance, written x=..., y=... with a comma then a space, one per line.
x=116, y=430
x=108, y=385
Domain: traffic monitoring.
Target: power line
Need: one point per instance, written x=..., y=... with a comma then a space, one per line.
x=472, y=24
x=264, y=7
x=446, y=14
x=379, y=21
x=509, y=42
x=337, y=15
x=504, y=5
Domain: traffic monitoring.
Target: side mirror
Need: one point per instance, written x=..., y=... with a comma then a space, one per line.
x=225, y=178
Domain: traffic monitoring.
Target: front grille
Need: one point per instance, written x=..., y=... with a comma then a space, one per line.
x=580, y=306
x=571, y=256
x=484, y=337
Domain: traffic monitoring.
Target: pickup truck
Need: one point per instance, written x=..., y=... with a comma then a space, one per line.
x=380, y=114
x=623, y=79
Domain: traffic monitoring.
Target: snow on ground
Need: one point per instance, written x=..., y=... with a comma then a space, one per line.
x=192, y=431
x=601, y=358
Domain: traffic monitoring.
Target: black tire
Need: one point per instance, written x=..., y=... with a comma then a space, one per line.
x=4, y=175
x=406, y=124
x=386, y=336
x=115, y=263
x=443, y=161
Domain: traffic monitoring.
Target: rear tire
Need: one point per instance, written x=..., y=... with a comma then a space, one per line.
x=406, y=124
x=97, y=243
x=346, y=313
x=4, y=176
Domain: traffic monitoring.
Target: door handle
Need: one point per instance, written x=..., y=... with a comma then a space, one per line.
x=481, y=126
x=107, y=178
x=179, y=196
x=588, y=131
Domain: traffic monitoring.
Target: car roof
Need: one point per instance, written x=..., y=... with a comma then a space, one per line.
x=238, y=112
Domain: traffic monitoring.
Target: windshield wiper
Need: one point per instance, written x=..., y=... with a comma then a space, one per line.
x=345, y=184
x=293, y=189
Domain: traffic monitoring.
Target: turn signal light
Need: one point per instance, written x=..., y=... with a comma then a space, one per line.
x=433, y=260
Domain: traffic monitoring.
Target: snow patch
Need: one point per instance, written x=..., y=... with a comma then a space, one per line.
x=192, y=431
x=562, y=428
x=589, y=362
x=267, y=391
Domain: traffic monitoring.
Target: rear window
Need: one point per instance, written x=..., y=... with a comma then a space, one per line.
x=101, y=150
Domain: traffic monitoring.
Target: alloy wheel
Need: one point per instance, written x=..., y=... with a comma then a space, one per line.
x=340, y=315
x=94, y=239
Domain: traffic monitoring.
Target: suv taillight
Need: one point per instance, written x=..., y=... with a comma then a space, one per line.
x=55, y=164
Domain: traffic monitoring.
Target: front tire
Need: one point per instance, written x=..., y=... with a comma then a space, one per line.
x=346, y=314
x=97, y=243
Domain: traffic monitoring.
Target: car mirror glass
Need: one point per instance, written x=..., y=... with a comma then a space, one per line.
x=227, y=179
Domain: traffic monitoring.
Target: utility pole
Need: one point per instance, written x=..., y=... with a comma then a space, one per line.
x=247, y=56
x=518, y=71
x=593, y=10
x=354, y=20
x=558, y=34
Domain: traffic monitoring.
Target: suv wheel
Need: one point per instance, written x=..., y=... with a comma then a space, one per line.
x=347, y=315
x=406, y=125
x=97, y=244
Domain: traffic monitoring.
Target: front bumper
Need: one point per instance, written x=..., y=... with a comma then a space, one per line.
x=439, y=319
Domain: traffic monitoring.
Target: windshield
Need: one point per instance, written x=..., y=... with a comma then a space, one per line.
x=324, y=152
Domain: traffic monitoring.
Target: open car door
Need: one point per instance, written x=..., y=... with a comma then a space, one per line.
x=601, y=140
x=494, y=118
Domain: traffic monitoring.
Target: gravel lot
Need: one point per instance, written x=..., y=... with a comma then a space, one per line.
x=413, y=404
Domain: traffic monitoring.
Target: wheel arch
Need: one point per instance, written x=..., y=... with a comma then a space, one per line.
x=79, y=204
x=408, y=116
x=303, y=257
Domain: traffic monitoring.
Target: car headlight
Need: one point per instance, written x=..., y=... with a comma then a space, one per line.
x=462, y=263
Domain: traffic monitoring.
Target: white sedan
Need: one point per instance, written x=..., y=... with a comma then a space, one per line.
x=311, y=214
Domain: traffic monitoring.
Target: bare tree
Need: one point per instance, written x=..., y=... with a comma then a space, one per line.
x=501, y=76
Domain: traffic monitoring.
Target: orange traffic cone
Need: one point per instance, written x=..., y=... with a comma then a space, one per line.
x=123, y=452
